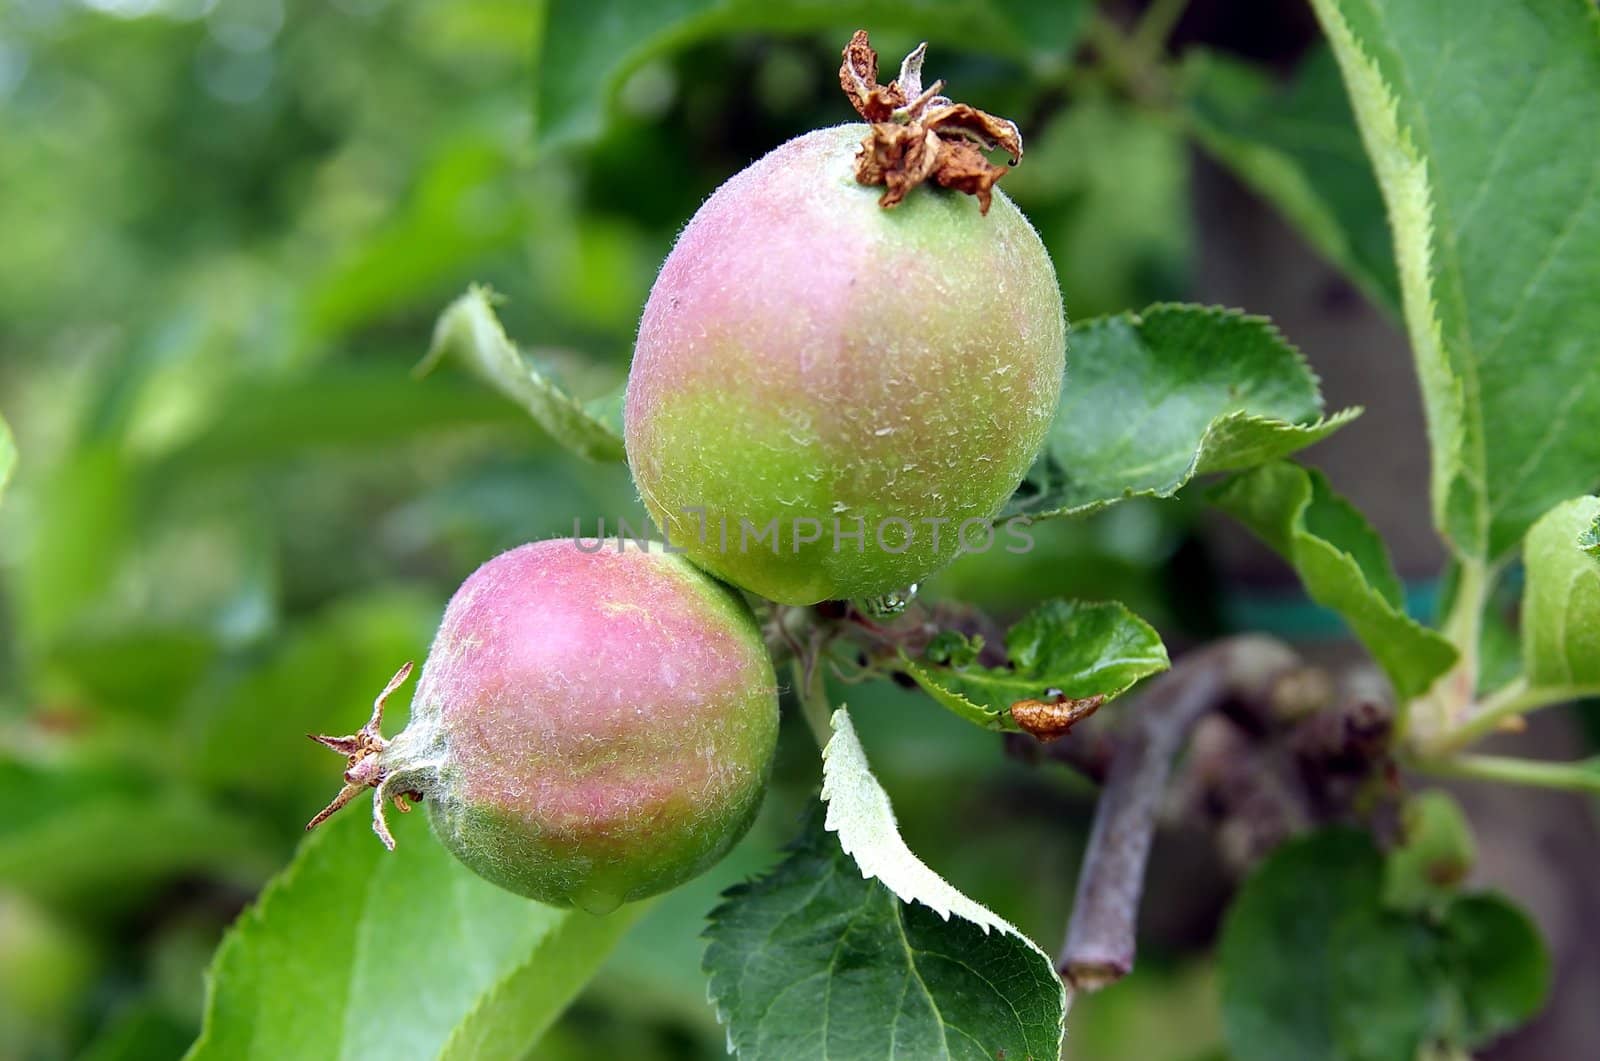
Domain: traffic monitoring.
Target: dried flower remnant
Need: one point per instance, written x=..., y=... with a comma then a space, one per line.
x=919, y=134
x=1054, y=716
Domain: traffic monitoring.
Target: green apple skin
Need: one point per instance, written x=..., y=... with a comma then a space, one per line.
x=810, y=358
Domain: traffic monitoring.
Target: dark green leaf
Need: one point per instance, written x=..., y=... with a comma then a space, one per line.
x=143, y=1031
x=469, y=330
x=1297, y=147
x=1283, y=946
x=815, y=961
x=588, y=50
x=1469, y=114
x=1561, y=605
x=1342, y=563
x=1314, y=968
x=1078, y=649
x=1498, y=962
x=355, y=951
x=1156, y=398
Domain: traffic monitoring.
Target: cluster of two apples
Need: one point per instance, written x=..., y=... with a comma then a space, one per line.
x=595, y=723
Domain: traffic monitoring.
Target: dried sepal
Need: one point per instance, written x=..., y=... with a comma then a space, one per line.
x=858, y=76
x=962, y=121
x=364, y=766
x=898, y=157
x=918, y=134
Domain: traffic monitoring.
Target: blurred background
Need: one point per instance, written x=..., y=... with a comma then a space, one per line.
x=226, y=229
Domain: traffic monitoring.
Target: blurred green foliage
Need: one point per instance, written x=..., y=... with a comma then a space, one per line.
x=226, y=231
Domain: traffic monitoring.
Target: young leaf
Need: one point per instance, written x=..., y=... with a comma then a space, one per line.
x=820, y=960
x=469, y=329
x=1314, y=968
x=1062, y=650
x=1297, y=147
x=588, y=50
x=1342, y=563
x=1561, y=605
x=860, y=813
x=355, y=951
x=1497, y=233
x=1156, y=398
x=1434, y=856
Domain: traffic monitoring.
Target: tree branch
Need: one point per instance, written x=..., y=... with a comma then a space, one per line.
x=1100, y=943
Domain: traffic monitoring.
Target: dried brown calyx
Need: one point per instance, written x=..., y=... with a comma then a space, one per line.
x=1055, y=715
x=366, y=768
x=918, y=134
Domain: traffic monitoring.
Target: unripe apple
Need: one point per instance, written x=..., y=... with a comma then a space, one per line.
x=594, y=724
x=809, y=358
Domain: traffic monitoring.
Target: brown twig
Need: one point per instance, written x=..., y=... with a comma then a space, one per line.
x=1100, y=943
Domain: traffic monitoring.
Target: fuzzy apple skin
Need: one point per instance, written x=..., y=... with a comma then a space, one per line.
x=592, y=728
x=806, y=354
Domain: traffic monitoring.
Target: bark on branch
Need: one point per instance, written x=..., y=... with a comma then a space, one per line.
x=1100, y=943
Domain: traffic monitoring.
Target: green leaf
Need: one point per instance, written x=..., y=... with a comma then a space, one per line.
x=1342, y=563
x=1155, y=398
x=589, y=49
x=1284, y=941
x=79, y=834
x=8, y=455
x=469, y=330
x=1561, y=605
x=77, y=533
x=814, y=960
x=1074, y=649
x=1314, y=968
x=334, y=407
x=1501, y=966
x=355, y=951
x=1469, y=115
x=860, y=814
x=1435, y=854
x=1298, y=148
x=138, y=1032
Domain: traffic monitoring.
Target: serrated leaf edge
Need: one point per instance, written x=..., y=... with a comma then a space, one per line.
x=926, y=675
x=1202, y=461
x=1407, y=189
x=844, y=757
